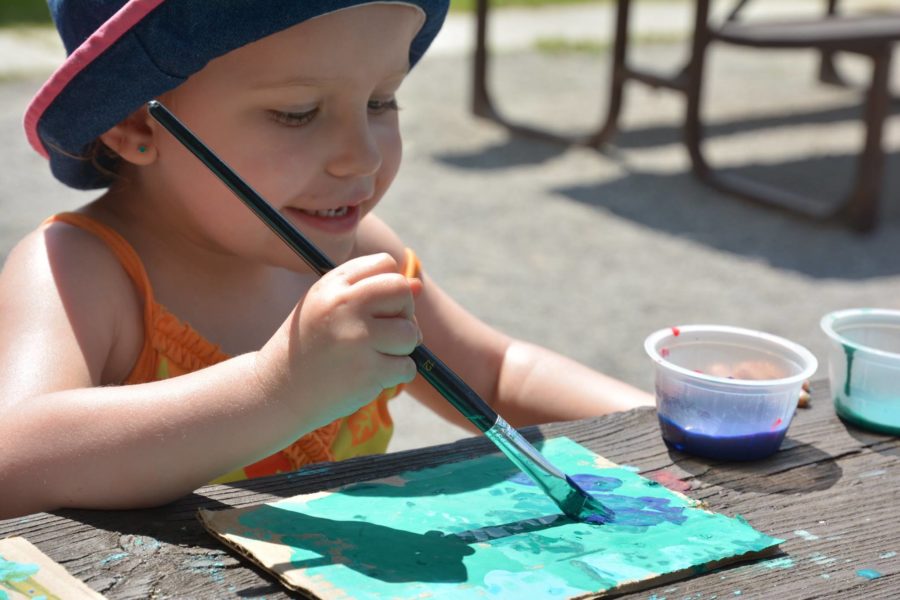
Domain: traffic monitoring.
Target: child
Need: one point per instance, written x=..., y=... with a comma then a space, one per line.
x=239, y=361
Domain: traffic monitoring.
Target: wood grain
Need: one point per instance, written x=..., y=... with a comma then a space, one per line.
x=829, y=493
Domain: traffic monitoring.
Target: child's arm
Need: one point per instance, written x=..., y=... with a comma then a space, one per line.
x=525, y=383
x=69, y=437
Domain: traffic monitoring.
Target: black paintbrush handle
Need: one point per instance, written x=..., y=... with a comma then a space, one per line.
x=439, y=375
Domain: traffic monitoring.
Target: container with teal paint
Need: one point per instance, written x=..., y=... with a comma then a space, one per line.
x=864, y=366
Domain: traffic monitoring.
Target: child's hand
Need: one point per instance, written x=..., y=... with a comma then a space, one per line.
x=348, y=339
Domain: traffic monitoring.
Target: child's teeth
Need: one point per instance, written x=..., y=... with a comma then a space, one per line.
x=329, y=212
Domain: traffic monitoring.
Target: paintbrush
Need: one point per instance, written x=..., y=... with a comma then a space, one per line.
x=562, y=489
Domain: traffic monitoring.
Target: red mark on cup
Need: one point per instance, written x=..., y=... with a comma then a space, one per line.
x=664, y=352
x=776, y=423
x=676, y=332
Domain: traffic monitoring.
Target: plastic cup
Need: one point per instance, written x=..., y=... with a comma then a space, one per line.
x=724, y=392
x=864, y=366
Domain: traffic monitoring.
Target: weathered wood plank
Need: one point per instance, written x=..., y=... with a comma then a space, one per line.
x=828, y=493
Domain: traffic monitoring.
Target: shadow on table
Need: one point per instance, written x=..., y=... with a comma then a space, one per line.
x=796, y=469
x=881, y=443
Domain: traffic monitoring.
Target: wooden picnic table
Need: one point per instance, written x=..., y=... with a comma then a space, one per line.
x=830, y=493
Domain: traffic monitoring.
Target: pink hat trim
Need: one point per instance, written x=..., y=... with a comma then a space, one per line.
x=106, y=35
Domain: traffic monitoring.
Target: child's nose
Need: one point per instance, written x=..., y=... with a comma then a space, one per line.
x=355, y=149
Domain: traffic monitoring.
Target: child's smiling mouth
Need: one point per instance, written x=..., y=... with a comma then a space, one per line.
x=328, y=212
x=329, y=220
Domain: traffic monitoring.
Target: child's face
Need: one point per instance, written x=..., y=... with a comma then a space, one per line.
x=307, y=116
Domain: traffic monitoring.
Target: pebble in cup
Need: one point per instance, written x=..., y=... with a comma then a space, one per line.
x=864, y=366
x=724, y=392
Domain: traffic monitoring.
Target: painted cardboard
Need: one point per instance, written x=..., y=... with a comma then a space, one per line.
x=26, y=572
x=480, y=529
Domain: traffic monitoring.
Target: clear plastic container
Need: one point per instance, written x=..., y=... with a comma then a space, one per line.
x=864, y=366
x=724, y=392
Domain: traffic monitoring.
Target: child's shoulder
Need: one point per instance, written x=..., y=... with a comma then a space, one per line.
x=65, y=254
x=62, y=276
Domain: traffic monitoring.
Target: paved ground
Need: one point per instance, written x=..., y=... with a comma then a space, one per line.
x=589, y=252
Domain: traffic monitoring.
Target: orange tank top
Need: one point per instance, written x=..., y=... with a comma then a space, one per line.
x=172, y=348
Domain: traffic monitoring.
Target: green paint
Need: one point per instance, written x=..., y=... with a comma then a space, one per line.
x=867, y=410
x=876, y=414
x=15, y=572
x=821, y=559
x=783, y=562
x=113, y=558
x=18, y=577
x=478, y=530
x=849, y=351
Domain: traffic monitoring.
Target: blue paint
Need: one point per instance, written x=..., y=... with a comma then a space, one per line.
x=723, y=447
x=630, y=511
x=868, y=573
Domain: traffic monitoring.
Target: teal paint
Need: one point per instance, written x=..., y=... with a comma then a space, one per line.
x=784, y=562
x=868, y=573
x=809, y=537
x=479, y=529
x=113, y=558
x=821, y=559
x=12, y=572
x=868, y=410
x=872, y=412
x=849, y=351
x=887, y=555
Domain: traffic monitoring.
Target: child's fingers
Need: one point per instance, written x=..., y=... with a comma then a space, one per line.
x=360, y=268
x=387, y=295
x=394, y=370
x=396, y=336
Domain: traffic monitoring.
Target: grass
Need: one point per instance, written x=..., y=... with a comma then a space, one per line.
x=24, y=12
x=559, y=45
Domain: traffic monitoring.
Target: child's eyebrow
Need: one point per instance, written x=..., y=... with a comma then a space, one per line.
x=301, y=81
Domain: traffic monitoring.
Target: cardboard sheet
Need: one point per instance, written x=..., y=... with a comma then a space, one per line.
x=480, y=529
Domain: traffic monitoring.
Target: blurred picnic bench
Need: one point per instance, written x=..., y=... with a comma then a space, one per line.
x=869, y=35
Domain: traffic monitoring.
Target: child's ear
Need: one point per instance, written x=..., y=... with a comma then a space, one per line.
x=132, y=139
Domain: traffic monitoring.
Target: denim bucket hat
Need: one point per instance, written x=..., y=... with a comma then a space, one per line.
x=123, y=53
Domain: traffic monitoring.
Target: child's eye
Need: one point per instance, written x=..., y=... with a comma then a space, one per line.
x=293, y=119
x=381, y=106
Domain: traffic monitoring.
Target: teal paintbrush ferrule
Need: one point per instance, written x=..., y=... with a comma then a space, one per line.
x=570, y=497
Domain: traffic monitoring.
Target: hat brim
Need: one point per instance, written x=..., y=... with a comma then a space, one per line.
x=149, y=47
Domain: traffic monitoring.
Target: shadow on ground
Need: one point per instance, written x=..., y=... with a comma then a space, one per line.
x=679, y=205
